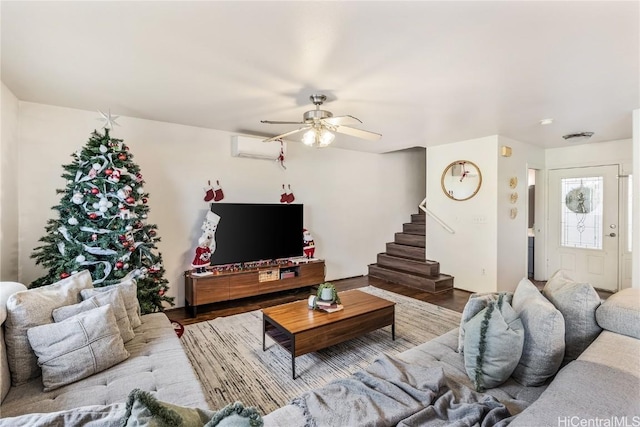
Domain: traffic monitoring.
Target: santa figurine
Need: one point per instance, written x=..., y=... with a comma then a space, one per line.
x=308, y=245
x=203, y=254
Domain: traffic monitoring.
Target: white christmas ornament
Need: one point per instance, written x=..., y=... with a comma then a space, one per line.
x=80, y=258
x=103, y=209
x=103, y=149
x=96, y=166
x=140, y=190
x=73, y=221
x=128, y=228
x=77, y=198
x=96, y=205
x=125, y=267
x=103, y=201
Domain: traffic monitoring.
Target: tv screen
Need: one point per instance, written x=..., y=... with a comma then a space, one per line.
x=254, y=232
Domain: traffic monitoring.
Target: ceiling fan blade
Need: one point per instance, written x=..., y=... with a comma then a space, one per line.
x=358, y=133
x=342, y=120
x=287, y=134
x=275, y=122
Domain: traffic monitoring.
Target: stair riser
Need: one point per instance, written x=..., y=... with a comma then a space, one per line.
x=423, y=283
x=414, y=229
x=417, y=218
x=410, y=239
x=413, y=252
x=428, y=268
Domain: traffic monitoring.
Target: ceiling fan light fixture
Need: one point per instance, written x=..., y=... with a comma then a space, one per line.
x=309, y=137
x=318, y=137
x=325, y=138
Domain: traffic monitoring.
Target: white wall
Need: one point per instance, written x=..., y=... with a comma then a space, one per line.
x=469, y=254
x=8, y=185
x=512, y=233
x=354, y=202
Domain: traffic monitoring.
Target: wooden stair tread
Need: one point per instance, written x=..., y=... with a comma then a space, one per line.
x=410, y=239
x=432, y=284
x=406, y=251
x=439, y=276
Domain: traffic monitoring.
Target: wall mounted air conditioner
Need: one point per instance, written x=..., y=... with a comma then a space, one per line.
x=254, y=148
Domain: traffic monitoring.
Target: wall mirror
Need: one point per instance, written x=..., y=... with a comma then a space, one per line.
x=461, y=180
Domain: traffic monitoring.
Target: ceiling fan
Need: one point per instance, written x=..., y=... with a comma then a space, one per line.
x=320, y=126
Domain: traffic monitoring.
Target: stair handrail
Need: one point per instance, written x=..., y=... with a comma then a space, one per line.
x=423, y=207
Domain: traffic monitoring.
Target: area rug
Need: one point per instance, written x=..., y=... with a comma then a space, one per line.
x=227, y=355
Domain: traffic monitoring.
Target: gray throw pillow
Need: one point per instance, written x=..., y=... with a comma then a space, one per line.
x=111, y=297
x=78, y=347
x=578, y=303
x=493, y=345
x=543, y=336
x=620, y=313
x=129, y=292
x=31, y=308
x=476, y=303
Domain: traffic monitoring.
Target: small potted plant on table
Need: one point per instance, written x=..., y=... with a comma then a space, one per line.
x=327, y=294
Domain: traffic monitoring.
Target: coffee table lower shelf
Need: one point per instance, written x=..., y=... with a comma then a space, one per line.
x=319, y=330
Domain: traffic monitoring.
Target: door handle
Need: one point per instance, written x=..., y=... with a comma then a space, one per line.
x=612, y=234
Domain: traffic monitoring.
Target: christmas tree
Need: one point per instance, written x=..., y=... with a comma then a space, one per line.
x=102, y=224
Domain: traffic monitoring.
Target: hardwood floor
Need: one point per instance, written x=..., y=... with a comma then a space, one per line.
x=453, y=299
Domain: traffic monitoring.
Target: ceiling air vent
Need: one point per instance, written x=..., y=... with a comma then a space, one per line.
x=580, y=136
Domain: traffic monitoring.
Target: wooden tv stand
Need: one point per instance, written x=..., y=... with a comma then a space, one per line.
x=225, y=286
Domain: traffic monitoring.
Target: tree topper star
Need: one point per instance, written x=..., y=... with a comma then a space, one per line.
x=109, y=120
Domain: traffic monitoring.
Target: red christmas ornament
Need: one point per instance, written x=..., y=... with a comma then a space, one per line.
x=138, y=224
x=144, y=200
x=64, y=275
x=132, y=248
x=122, y=237
x=93, y=215
x=130, y=200
x=122, y=156
x=94, y=191
x=94, y=237
x=119, y=264
x=161, y=292
x=108, y=171
x=125, y=243
x=152, y=232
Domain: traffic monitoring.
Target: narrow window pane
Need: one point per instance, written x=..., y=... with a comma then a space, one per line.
x=582, y=212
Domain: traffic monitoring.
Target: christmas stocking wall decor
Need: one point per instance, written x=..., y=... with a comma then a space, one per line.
x=290, y=196
x=284, y=196
x=208, y=192
x=217, y=192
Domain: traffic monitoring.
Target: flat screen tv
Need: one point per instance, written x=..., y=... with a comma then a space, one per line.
x=255, y=232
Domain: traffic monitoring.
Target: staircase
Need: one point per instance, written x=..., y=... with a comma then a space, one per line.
x=405, y=263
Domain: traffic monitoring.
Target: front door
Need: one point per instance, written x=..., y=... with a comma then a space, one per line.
x=583, y=224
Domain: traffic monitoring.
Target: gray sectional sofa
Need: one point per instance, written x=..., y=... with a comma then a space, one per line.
x=156, y=363
x=601, y=386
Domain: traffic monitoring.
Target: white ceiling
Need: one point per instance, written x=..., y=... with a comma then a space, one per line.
x=419, y=73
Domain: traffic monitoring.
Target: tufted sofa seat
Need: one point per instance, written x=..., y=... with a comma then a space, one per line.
x=157, y=363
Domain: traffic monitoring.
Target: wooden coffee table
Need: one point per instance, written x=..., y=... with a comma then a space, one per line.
x=300, y=330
